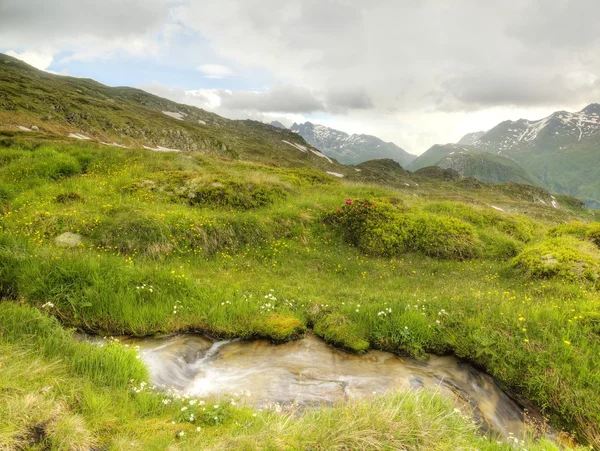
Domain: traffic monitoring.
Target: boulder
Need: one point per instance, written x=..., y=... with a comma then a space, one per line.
x=68, y=239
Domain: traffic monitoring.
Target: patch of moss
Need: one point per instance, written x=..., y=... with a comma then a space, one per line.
x=280, y=328
x=337, y=329
x=565, y=257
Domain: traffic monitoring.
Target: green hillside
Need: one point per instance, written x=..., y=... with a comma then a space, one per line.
x=469, y=162
x=61, y=105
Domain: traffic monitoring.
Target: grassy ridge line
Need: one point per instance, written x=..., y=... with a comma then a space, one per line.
x=155, y=259
x=47, y=403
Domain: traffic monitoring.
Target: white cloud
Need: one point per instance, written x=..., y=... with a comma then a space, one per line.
x=215, y=71
x=39, y=60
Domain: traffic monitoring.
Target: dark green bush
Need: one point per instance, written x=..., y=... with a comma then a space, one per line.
x=384, y=229
x=516, y=226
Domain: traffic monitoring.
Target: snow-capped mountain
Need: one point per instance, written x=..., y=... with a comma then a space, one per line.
x=350, y=149
x=562, y=128
x=562, y=150
x=470, y=138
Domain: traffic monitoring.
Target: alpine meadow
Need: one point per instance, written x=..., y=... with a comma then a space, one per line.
x=173, y=279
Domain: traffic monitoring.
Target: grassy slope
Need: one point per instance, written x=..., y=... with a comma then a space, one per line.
x=489, y=168
x=212, y=249
x=60, y=105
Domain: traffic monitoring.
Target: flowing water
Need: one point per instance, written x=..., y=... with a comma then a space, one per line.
x=309, y=371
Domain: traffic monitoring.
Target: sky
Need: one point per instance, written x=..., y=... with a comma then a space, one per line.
x=415, y=72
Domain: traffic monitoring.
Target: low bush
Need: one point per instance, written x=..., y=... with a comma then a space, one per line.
x=384, y=229
x=581, y=230
x=515, y=226
x=565, y=257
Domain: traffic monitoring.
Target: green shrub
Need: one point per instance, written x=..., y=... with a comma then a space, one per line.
x=581, y=230
x=133, y=232
x=516, y=226
x=373, y=227
x=383, y=229
x=565, y=257
x=214, y=193
x=498, y=246
x=442, y=237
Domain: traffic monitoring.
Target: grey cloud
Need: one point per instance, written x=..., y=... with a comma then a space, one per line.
x=280, y=98
x=559, y=24
x=401, y=51
x=343, y=99
x=481, y=90
x=73, y=18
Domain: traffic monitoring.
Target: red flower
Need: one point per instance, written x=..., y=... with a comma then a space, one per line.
x=348, y=201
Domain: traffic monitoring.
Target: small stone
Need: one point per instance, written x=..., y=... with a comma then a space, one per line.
x=35, y=128
x=68, y=239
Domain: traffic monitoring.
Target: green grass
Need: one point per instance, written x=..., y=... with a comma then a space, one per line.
x=45, y=403
x=151, y=262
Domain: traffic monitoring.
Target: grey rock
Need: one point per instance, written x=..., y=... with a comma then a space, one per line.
x=68, y=239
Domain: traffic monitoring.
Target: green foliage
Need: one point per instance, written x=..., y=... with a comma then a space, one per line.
x=382, y=229
x=230, y=194
x=564, y=257
x=581, y=230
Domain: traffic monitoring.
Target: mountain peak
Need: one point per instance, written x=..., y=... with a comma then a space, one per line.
x=350, y=149
x=278, y=124
x=592, y=108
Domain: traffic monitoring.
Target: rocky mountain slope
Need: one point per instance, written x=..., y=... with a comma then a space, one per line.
x=39, y=102
x=351, y=149
x=470, y=138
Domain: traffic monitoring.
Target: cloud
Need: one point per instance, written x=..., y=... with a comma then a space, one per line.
x=215, y=71
x=39, y=60
x=340, y=100
x=86, y=29
x=409, y=64
x=279, y=98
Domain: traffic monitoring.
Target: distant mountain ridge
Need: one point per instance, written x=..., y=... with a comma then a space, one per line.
x=350, y=149
x=561, y=150
x=470, y=162
x=470, y=138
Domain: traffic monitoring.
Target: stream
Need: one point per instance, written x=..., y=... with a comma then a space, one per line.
x=309, y=371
